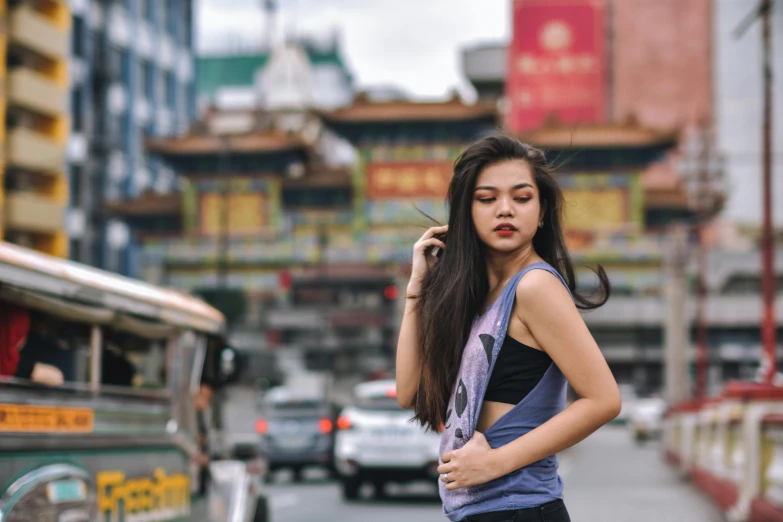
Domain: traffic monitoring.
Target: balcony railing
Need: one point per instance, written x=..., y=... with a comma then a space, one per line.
x=36, y=92
x=30, y=150
x=31, y=212
x=34, y=31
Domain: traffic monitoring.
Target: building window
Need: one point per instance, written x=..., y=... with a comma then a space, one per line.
x=148, y=81
x=75, y=187
x=187, y=26
x=160, y=88
x=192, y=101
x=748, y=284
x=126, y=68
x=171, y=91
x=171, y=17
x=182, y=103
x=147, y=10
x=165, y=15
x=75, y=250
x=77, y=36
x=77, y=109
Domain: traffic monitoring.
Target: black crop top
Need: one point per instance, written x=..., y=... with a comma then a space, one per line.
x=518, y=369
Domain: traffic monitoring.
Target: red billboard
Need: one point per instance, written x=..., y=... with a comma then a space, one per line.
x=557, y=63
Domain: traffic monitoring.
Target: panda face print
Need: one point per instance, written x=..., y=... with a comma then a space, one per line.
x=461, y=399
x=488, y=342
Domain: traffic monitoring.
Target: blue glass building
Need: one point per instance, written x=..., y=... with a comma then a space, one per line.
x=132, y=77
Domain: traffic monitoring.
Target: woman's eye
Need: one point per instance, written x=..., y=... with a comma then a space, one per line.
x=486, y=200
x=524, y=200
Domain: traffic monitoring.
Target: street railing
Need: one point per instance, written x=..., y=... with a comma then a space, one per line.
x=731, y=446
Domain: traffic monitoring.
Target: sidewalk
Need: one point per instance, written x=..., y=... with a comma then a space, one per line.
x=610, y=479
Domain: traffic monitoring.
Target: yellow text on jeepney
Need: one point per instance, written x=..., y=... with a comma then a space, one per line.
x=156, y=499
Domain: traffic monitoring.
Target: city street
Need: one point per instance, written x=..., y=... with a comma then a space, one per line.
x=608, y=479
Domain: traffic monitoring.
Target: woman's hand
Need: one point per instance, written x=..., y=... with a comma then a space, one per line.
x=470, y=465
x=423, y=260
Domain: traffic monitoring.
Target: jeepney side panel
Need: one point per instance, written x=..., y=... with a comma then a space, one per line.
x=135, y=461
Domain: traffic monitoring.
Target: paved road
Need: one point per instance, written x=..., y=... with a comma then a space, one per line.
x=607, y=478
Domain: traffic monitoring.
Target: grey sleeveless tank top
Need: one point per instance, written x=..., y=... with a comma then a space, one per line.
x=532, y=485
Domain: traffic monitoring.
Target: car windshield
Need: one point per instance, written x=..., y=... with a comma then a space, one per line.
x=296, y=405
x=378, y=403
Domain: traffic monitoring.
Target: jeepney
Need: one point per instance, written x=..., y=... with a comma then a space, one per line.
x=89, y=451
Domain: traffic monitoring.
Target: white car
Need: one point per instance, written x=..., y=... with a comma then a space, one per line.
x=377, y=442
x=629, y=397
x=645, y=419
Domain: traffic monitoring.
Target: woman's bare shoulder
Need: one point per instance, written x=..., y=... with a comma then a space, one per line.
x=541, y=288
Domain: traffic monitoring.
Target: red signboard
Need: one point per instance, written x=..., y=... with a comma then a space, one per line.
x=556, y=63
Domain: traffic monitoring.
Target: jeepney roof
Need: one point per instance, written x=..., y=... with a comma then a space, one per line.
x=34, y=271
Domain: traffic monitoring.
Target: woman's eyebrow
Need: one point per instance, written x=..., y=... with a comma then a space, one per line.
x=515, y=187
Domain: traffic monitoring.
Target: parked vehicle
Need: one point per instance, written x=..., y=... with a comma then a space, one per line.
x=255, y=371
x=629, y=397
x=645, y=419
x=377, y=443
x=114, y=423
x=296, y=425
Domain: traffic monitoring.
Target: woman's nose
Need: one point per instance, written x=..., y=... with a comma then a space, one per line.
x=505, y=208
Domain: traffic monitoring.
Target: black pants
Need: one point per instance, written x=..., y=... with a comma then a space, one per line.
x=554, y=511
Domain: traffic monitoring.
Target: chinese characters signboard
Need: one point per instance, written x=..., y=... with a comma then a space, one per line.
x=556, y=63
x=253, y=206
x=408, y=179
x=602, y=202
x=248, y=214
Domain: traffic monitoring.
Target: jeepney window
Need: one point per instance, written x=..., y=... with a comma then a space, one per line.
x=132, y=361
x=46, y=356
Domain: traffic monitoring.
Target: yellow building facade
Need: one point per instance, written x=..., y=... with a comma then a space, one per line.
x=34, y=44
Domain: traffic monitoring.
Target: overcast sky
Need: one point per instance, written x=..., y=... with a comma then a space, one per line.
x=413, y=44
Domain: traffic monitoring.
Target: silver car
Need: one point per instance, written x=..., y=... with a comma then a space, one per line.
x=376, y=442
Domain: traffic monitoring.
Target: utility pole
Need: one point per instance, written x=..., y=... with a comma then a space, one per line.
x=768, y=327
x=768, y=283
x=702, y=349
x=676, y=380
x=702, y=170
x=224, y=221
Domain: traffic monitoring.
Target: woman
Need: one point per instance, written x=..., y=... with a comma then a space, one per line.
x=490, y=334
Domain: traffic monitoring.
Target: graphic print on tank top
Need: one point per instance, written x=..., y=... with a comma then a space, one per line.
x=487, y=334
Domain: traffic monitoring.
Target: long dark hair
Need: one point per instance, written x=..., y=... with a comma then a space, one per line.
x=454, y=291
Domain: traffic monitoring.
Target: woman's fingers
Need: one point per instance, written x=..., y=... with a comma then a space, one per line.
x=445, y=468
x=434, y=230
x=431, y=242
x=448, y=478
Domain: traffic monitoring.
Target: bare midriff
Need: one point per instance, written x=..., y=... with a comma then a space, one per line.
x=490, y=413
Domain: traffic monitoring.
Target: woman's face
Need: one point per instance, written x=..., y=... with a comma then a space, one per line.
x=506, y=210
